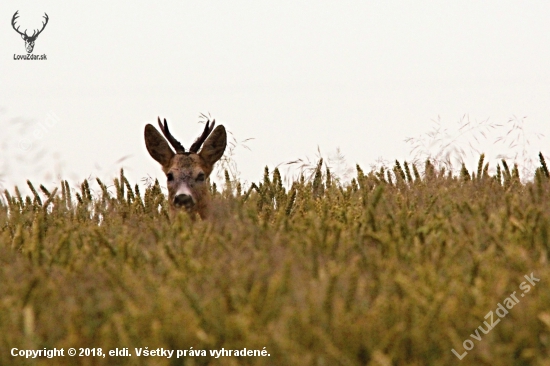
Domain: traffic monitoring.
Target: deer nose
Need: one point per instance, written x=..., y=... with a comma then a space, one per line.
x=184, y=200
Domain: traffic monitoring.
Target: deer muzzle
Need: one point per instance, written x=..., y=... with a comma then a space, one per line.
x=184, y=200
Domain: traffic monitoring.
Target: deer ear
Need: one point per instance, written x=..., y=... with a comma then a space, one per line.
x=157, y=146
x=23, y=36
x=214, y=146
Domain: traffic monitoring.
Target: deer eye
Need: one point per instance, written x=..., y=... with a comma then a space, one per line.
x=170, y=177
x=200, y=177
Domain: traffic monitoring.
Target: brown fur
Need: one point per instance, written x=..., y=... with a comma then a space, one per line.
x=188, y=171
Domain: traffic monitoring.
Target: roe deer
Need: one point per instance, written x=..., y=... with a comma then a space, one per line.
x=186, y=172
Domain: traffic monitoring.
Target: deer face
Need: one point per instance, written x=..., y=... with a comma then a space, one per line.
x=29, y=42
x=186, y=172
x=186, y=181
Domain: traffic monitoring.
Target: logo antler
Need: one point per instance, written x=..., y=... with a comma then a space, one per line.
x=15, y=16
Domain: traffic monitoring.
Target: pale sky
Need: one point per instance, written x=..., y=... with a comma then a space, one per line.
x=361, y=76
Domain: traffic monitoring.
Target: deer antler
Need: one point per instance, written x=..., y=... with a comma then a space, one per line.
x=175, y=143
x=43, y=26
x=207, y=130
x=15, y=16
x=34, y=33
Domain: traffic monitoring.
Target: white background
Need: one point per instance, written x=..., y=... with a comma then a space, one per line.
x=361, y=76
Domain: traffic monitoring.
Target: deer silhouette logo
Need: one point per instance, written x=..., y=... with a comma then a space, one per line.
x=29, y=40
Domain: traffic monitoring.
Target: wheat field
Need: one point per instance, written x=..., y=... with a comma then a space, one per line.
x=394, y=267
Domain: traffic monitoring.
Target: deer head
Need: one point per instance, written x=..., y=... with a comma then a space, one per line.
x=186, y=172
x=29, y=40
